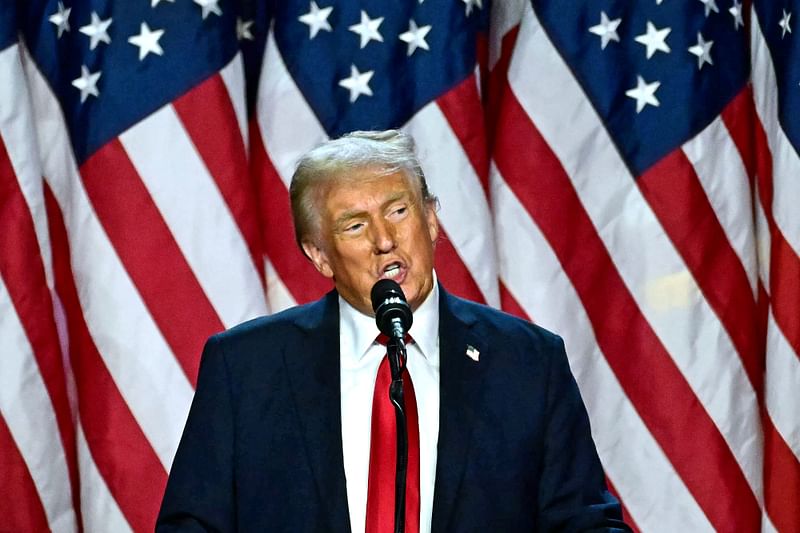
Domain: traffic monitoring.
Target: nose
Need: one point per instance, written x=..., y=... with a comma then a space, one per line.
x=384, y=237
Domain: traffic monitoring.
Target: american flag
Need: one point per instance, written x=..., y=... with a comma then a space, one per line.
x=625, y=174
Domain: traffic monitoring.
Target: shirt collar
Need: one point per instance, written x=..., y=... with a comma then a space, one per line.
x=359, y=331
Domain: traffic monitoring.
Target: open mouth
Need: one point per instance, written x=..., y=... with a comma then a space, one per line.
x=392, y=271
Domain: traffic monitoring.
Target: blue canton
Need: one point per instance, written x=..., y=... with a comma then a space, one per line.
x=129, y=88
x=400, y=83
x=689, y=96
x=780, y=23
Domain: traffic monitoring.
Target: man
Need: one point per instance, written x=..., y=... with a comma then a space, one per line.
x=282, y=436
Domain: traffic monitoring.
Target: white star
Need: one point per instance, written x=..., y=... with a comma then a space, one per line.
x=61, y=19
x=147, y=41
x=783, y=23
x=154, y=3
x=316, y=19
x=658, y=2
x=736, y=11
x=243, y=32
x=654, y=39
x=711, y=5
x=415, y=37
x=97, y=31
x=702, y=50
x=472, y=3
x=87, y=83
x=209, y=6
x=607, y=30
x=367, y=29
x=357, y=83
x=644, y=93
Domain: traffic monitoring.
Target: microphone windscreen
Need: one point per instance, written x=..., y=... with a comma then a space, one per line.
x=389, y=303
x=383, y=290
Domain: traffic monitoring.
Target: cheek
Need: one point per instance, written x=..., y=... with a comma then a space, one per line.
x=353, y=255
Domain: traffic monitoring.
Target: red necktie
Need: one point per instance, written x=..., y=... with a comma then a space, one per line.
x=383, y=453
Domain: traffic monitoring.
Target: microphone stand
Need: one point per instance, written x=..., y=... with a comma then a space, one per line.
x=396, y=349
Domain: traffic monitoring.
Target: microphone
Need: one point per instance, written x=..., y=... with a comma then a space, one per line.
x=393, y=316
x=392, y=312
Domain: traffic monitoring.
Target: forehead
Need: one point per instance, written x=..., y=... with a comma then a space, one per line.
x=366, y=186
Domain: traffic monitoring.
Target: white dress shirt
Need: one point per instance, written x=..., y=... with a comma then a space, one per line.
x=360, y=357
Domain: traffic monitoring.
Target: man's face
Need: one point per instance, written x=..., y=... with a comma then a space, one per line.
x=375, y=226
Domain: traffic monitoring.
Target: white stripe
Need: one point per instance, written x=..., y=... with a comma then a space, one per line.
x=763, y=241
x=721, y=172
x=782, y=387
x=26, y=407
x=648, y=484
x=287, y=124
x=233, y=77
x=289, y=129
x=137, y=356
x=19, y=138
x=766, y=525
x=464, y=210
x=278, y=295
x=197, y=215
x=60, y=316
x=655, y=274
x=785, y=160
x=99, y=509
x=782, y=364
x=504, y=16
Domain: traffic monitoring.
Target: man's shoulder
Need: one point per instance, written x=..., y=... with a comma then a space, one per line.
x=498, y=323
x=281, y=325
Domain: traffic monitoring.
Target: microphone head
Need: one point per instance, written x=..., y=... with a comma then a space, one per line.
x=389, y=303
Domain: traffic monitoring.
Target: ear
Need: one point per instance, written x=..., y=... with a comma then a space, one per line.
x=319, y=258
x=432, y=222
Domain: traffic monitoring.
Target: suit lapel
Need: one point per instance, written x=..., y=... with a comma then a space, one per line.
x=315, y=381
x=458, y=383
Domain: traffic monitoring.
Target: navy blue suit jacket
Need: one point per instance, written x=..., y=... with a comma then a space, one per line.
x=262, y=448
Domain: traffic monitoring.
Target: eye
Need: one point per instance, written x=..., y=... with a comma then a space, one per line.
x=399, y=211
x=355, y=227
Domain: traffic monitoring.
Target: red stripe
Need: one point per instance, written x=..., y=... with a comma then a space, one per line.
x=678, y=200
x=120, y=450
x=452, y=272
x=216, y=136
x=749, y=136
x=20, y=506
x=509, y=304
x=781, y=480
x=674, y=416
x=784, y=273
x=23, y=271
x=784, y=265
x=151, y=256
x=462, y=108
x=497, y=83
x=297, y=273
x=781, y=466
x=738, y=117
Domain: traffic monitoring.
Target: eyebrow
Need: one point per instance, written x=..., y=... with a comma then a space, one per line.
x=349, y=215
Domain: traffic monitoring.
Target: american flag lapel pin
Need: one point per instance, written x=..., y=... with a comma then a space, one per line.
x=473, y=353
